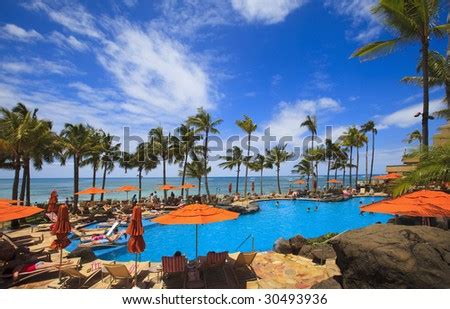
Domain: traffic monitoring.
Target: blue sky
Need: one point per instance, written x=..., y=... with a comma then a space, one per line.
x=146, y=63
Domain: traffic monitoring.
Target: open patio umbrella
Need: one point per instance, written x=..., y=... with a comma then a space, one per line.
x=53, y=202
x=423, y=203
x=187, y=186
x=92, y=190
x=9, y=201
x=166, y=187
x=127, y=189
x=334, y=181
x=11, y=212
x=299, y=182
x=61, y=228
x=390, y=176
x=196, y=214
x=136, y=243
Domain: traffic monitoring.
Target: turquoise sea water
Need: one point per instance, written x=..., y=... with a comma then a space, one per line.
x=286, y=220
x=41, y=187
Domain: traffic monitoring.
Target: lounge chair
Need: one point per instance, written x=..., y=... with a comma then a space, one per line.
x=83, y=275
x=174, y=265
x=21, y=241
x=215, y=261
x=120, y=272
x=36, y=252
x=244, y=262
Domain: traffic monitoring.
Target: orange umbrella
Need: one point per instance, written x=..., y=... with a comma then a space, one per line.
x=9, y=201
x=423, y=203
x=299, y=182
x=187, y=186
x=53, y=202
x=334, y=181
x=196, y=214
x=61, y=228
x=127, y=189
x=167, y=187
x=388, y=176
x=9, y=213
x=136, y=243
x=92, y=190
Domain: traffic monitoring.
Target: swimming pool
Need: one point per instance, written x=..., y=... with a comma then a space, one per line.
x=286, y=220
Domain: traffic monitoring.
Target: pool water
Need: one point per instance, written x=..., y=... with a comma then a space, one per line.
x=287, y=219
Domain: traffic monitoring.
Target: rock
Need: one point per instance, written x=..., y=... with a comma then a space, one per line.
x=319, y=253
x=306, y=251
x=245, y=210
x=330, y=283
x=394, y=256
x=282, y=246
x=7, y=251
x=297, y=242
x=86, y=254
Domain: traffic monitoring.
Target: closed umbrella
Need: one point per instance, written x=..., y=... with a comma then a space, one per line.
x=136, y=243
x=61, y=229
x=53, y=202
x=196, y=214
x=230, y=187
x=253, y=186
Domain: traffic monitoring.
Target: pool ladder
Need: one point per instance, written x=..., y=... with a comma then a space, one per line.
x=245, y=240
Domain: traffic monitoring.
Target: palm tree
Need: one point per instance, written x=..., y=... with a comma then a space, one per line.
x=258, y=164
x=433, y=168
x=93, y=158
x=195, y=169
x=234, y=158
x=110, y=154
x=248, y=127
x=144, y=160
x=414, y=136
x=311, y=124
x=76, y=141
x=369, y=126
x=275, y=157
x=316, y=155
x=349, y=140
x=161, y=147
x=304, y=168
x=185, y=147
x=360, y=140
x=332, y=152
x=412, y=21
x=203, y=123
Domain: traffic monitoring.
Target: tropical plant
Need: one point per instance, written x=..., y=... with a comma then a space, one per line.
x=248, y=126
x=304, y=168
x=144, y=160
x=203, y=123
x=196, y=169
x=311, y=124
x=275, y=157
x=360, y=141
x=411, y=21
x=414, y=136
x=369, y=126
x=110, y=154
x=234, y=158
x=332, y=153
x=433, y=169
x=76, y=142
x=93, y=158
x=258, y=164
x=316, y=155
x=349, y=140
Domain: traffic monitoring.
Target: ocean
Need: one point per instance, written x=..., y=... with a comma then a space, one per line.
x=41, y=187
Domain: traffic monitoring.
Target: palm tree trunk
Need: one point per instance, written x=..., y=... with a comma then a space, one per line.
x=278, y=180
x=199, y=186
x=357, y=167
x=15, y=188
x=205, y=154
x=28, y=185
x=426, y=99
x=373, y=155
x=246, y=166
x=140, y=182
x=184, y=173
x=351, y=164
x=103, y=181
x=75, y=183
x=261, y=181
x=335, y=172
x=94, y=176
x=24, y=184
x=237, y=178
x=307, y=182
x=447, y=80
x=343, y=176
x=367, y=161
x=164, y=178
x=328, y=173
x=312, y=164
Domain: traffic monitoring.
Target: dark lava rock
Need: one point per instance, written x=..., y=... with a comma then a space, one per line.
x=283, y=246
x=319, y=253
x=297, y=242
x=86, y=254
x=330, y=283
x=394, y=256
x=244, y=210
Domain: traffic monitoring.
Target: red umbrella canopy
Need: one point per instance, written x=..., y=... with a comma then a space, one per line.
x=53, y=202
x=230, y=187
x=61, y=228
x=136, y=243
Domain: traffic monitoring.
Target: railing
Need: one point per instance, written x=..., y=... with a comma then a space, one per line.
x=245, y=240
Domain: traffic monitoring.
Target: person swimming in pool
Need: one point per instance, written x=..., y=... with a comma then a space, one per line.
x=316, y=208
x=308, y=209
x=277, y=203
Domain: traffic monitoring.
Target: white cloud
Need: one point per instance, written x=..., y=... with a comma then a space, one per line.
x=266, y=11
x=69, y=42
x=276, y=80
x=365, y=26
x=37, y=66
x=130, y=3
x=13, y=32
x=404, y=118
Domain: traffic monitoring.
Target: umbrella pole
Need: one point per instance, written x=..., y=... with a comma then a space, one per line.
x=135, y=270
x=196, y=241
x=60, y=264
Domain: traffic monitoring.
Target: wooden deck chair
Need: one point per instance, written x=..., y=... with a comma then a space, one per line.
x=244, y=261
x=173, y=265
x=120, y=272
x=83, y=275
x=213, y=261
